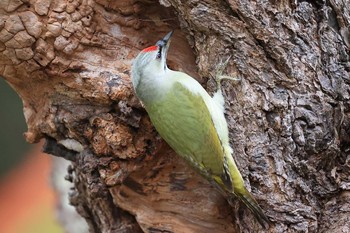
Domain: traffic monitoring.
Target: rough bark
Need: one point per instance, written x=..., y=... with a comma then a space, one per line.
x=288, y=117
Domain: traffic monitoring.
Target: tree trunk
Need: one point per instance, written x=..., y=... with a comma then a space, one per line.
x=288, y=117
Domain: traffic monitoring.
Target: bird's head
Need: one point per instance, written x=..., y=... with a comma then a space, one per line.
x=153, y=58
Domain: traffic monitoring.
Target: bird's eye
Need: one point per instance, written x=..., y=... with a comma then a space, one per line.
x=159, y=54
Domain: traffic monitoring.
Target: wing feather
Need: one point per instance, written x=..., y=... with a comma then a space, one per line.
x=183, y=120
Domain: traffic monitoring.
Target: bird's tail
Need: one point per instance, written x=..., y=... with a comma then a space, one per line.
x=254, y=207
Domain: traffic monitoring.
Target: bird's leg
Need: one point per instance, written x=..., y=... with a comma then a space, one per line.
x=218, y=97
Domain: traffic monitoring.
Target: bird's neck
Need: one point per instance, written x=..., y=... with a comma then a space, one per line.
x=153, y=86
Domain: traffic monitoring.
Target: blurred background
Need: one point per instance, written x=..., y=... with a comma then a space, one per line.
x=27, y=201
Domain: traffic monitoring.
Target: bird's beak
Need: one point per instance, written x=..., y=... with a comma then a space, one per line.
x=167, y=37
x=164, y=45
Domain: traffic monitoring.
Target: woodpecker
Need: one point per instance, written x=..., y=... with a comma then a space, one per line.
x=190, y=121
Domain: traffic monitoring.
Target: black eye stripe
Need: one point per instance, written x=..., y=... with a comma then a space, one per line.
x=159, y=54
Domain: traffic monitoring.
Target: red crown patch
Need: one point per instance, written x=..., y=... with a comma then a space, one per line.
x=150, y=49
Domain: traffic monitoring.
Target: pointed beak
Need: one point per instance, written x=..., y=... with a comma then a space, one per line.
x=166, y=38
x=164, y=44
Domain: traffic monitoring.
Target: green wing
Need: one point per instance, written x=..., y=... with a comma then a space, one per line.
x=184, y=122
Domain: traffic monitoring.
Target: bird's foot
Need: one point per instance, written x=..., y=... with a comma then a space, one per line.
x=220, y=69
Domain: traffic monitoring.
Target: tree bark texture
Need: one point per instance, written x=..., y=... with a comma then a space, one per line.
x=288, y=116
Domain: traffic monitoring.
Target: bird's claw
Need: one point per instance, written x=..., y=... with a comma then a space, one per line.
x=220, y=69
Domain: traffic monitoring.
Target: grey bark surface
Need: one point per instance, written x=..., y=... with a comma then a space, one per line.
x=288, y=117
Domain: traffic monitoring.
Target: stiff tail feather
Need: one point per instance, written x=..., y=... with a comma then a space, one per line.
x=254, y=207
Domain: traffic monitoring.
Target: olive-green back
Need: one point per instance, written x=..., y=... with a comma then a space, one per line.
x=184, y=122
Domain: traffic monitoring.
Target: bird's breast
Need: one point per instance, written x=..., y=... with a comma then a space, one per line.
x=153, y=89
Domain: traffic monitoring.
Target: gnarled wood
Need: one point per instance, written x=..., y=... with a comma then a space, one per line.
x=288, y=117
